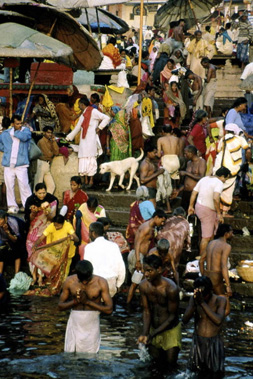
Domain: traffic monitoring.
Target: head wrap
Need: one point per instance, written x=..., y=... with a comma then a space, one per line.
x=233, y=128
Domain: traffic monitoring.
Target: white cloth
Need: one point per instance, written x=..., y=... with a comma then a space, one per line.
x=163, y=186
x=233, y=128
x=106, y=64
x=247, y=71
x=171, y=163
x=206, y=187
x=43, y=174
x=14, y=148
x=88, y=145
x=87, y=166
x=10, y=173
x=82, y=332
x=107, y=262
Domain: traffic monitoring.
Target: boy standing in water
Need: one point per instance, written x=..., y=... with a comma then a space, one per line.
x=207, y=351
x=160, y=301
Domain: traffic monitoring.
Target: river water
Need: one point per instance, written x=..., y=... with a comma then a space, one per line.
x=32, y=338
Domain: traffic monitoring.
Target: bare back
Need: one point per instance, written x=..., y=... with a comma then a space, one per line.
x=144, y=238
x=214, y=254
x=169, y=145
x=196, y=168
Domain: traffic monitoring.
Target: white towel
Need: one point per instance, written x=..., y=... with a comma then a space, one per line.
x=82, y=332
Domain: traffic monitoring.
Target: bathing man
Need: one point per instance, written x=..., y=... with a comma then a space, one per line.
x=160, y=301
x=90, y=296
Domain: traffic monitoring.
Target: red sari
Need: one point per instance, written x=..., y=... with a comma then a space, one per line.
x=135, y=220
x=73, y=202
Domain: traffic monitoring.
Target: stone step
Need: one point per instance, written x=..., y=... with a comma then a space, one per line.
x=114, y=200
x=118, y=217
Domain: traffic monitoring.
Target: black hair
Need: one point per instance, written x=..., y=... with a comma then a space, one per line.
x=47, y=127
x=159, y=213
x=3, y=214
x=97, y=228
x=112, y=40
x=40, y=186
x=104, y=220
x=177, y=132
x=153, y=261
x=204, y=281
x=228, y=25
x=149, y=147
x=76, y=179
x=179, y=211
x=171, y=61
x=239, y=101
x=95, y=96
x=181, y=19
x=205, y=60
x=92, y=202
x=163, y=244
x=199, y=114
x=188, y=72
x=16, y=117
x=84, y=270
x=84, y=100
x=222, y=230
x=6, y=122
x=59, y=219
x=208, y=28
x=167, y=128
x=192, y=149
x=197, y=31
x=223, y=171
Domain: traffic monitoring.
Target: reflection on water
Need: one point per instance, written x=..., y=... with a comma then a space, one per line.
x=32, y=338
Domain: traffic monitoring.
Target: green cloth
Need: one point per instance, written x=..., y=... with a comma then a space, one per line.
x=168, y=339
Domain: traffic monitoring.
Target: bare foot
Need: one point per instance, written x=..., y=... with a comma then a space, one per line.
x=34, y=282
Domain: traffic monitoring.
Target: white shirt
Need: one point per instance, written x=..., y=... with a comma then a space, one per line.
x=88, y=146
x=206, y=187
x=107, y=262
x=247, y=71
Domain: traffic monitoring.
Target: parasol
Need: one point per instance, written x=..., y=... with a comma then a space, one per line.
x=69, y=4
x=174, y=10
x=108, y=22
x=19, y=41
x=65, y=28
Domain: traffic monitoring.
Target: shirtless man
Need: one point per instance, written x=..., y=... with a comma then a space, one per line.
x=207, y=352
x=195, y=84
x=162, y=250
x=160, y=302
x=143, y=242
x=168, y=149
x=149, y=171
x=210, y=86
x=195, y=170
x=216, y=258
x=89, y=296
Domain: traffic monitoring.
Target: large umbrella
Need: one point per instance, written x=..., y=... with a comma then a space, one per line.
x=65, y=28
x=19, y=41
x=69, y=4
x=9, y=16
x=174, y=10
x=108, y=22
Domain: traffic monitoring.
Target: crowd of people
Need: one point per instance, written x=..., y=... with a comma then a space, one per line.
x=194, y=164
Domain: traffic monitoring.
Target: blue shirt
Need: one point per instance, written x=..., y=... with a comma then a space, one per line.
x=234, y=117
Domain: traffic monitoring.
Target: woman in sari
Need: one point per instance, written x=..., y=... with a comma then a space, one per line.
x=46, y=113
x=166, y=73
x=74, y=197
x=40, y=209
x=69, y=112
x=55, y=258
x=175, y=108
x=119, y=146
x=87, y=213
x=140, y=211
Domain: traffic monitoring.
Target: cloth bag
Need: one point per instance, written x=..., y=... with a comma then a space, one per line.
x=34, y=150
x=107, y=101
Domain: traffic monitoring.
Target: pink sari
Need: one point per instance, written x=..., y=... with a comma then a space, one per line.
x=37, y=227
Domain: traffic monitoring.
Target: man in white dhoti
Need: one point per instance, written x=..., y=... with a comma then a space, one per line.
x=89, y=296
x=89, y=124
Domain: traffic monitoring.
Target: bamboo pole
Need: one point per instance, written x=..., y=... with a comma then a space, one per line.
x=11, y=99
x=99, y=34
x=29, y=92
x=193, y=12
x=140, y=41
x=88, y=21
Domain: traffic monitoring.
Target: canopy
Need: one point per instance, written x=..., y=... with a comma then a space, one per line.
x=63, y=27
x=174, y=10
x=108, y=22
x=68, y=4
x=22, y=42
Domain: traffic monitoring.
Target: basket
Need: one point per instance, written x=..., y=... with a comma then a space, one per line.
x=246, y=273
